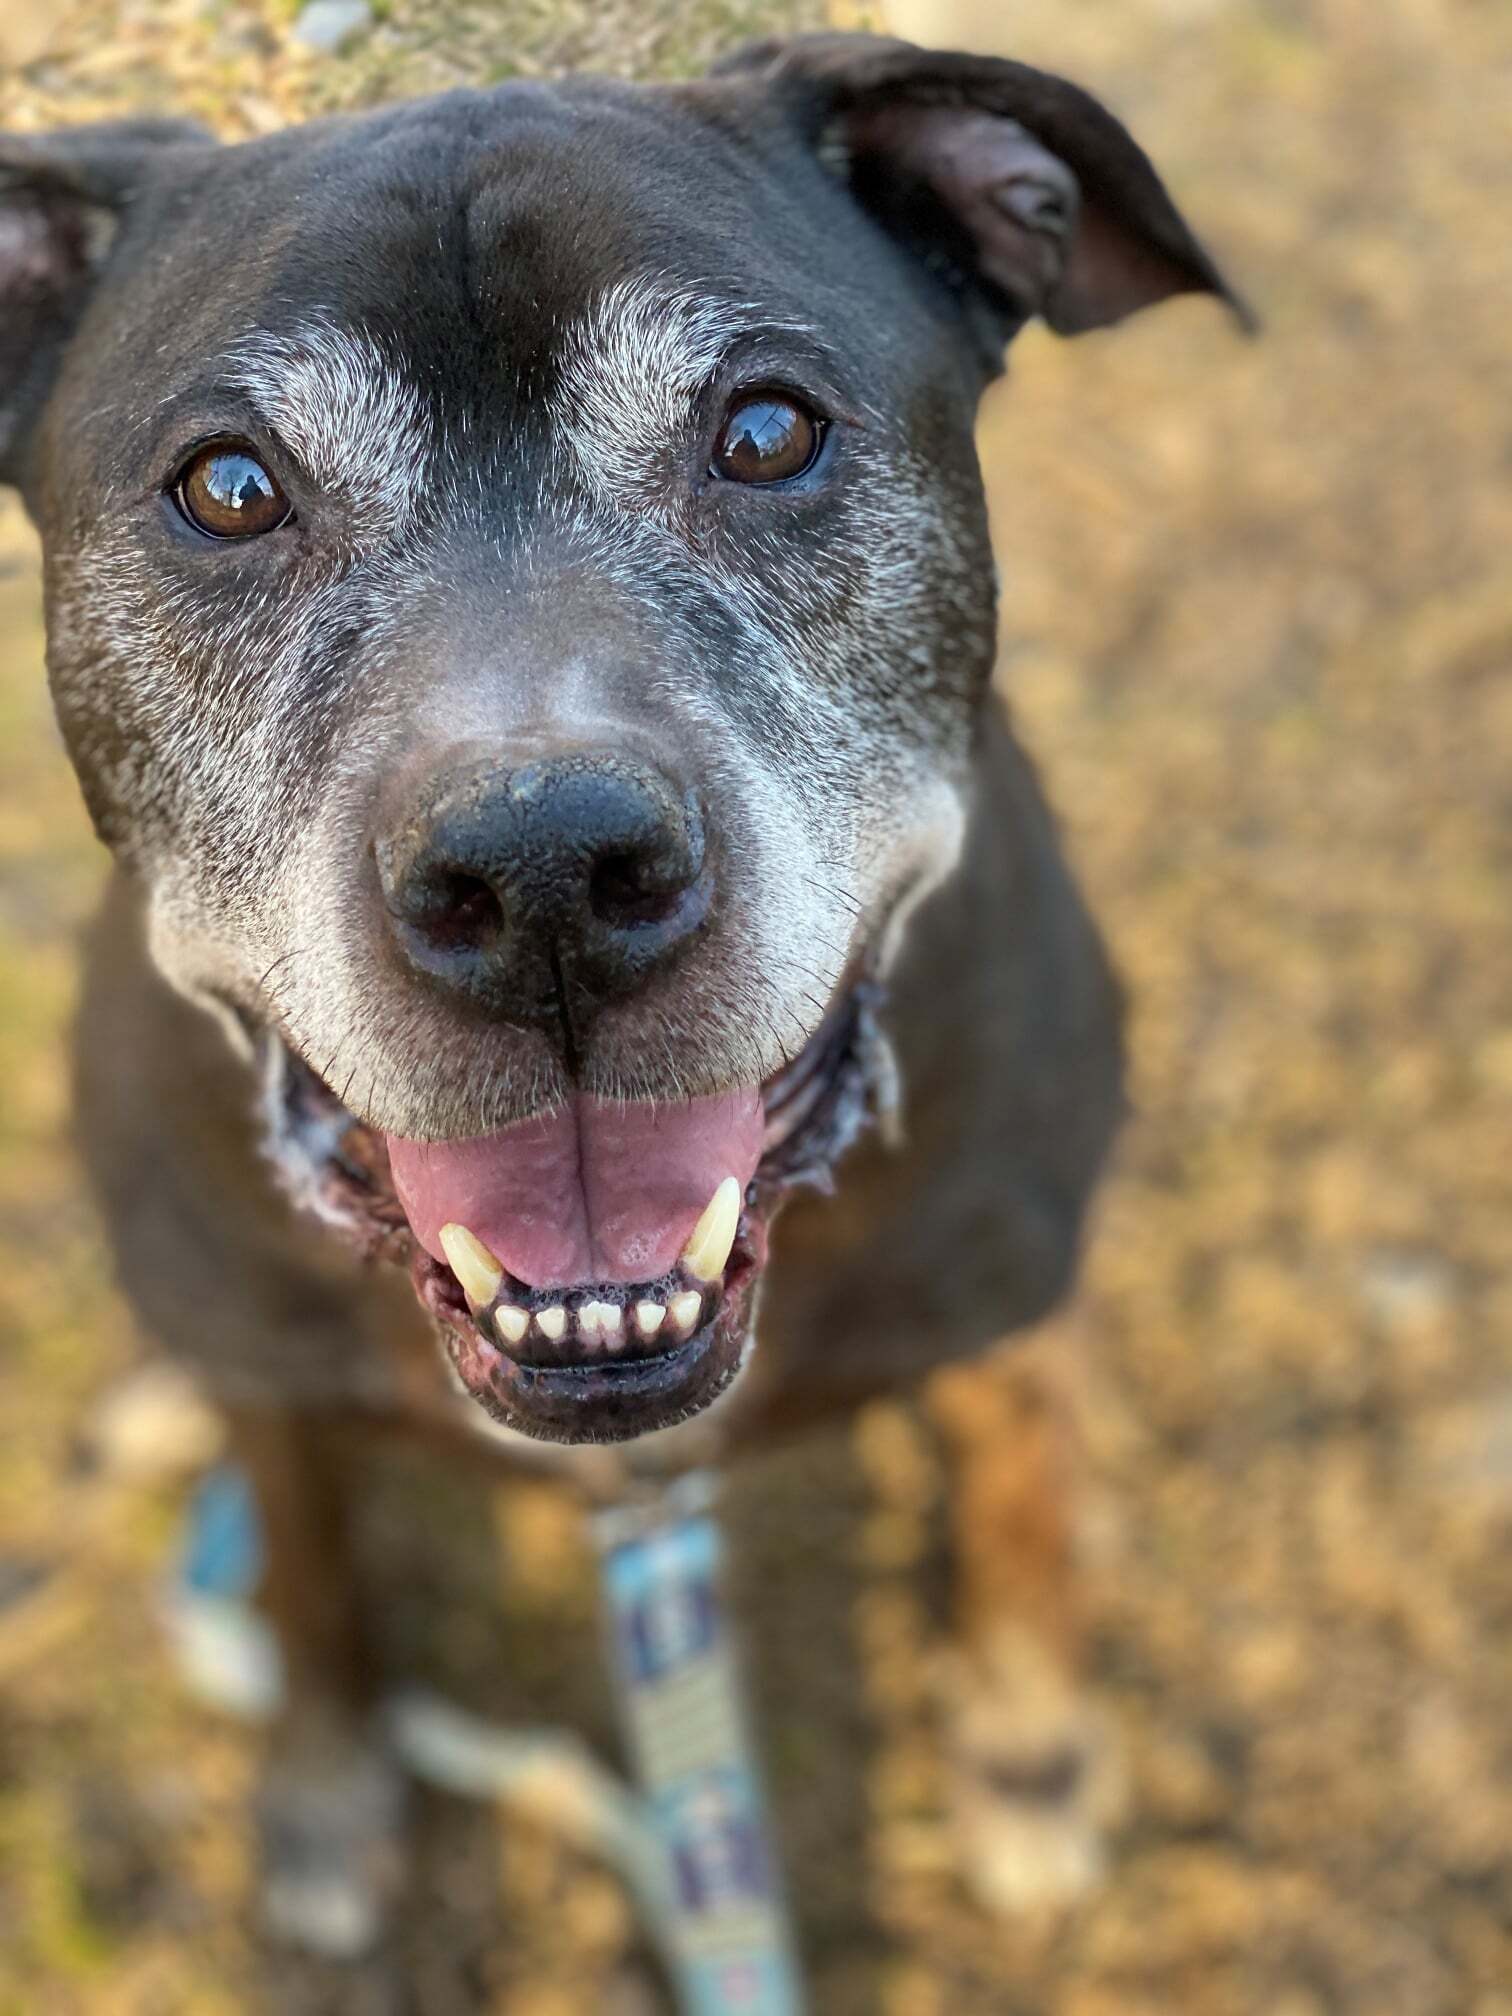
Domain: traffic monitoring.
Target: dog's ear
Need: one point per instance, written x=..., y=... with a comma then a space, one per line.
x=62, y=196
x=1016, y=189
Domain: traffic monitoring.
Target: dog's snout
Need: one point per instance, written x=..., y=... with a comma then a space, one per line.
x=575, y=876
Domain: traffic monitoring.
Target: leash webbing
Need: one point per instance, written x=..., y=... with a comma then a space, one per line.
x=680, y=1700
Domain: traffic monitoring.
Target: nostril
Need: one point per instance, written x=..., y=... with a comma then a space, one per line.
x=652, y=871
x=451, y=910
x=626, y=889
x=469, y=912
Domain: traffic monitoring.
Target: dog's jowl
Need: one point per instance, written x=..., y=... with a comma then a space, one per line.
x=520, y=609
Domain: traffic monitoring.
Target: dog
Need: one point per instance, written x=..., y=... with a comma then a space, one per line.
x=520, y=609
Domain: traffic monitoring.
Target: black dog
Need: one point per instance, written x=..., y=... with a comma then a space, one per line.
x=521, y=611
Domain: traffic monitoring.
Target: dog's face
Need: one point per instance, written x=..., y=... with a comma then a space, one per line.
x=519, y=598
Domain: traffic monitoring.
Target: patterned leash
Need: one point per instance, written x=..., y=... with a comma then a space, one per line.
x=678, y=1688
x=691, y=1841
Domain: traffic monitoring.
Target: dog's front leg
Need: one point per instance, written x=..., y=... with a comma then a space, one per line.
x=1035, y=1778
x=330, y=1808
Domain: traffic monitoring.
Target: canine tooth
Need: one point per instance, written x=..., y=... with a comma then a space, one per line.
x=472, y=1263
x=685, y=1310
x=706, y=1252
x=512, y=1322
x=649, y=1317
x=552, y=1321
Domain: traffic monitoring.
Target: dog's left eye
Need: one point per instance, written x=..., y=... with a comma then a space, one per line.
x=767, y=438
x=225, y=491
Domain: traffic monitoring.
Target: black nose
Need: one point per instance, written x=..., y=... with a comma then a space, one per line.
x=542, y=893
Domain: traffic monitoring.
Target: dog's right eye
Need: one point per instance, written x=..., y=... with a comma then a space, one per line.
x=225, y=491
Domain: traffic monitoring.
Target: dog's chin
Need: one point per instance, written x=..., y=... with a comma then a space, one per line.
x=602, y=1360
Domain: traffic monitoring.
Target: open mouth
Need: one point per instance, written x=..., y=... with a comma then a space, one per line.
x=592, y=1271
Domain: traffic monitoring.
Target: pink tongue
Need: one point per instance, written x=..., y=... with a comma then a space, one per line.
x=594, y=1192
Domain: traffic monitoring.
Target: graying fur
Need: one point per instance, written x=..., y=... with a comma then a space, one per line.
x=239, y=808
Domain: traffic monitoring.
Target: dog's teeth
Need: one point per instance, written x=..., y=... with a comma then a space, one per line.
x=706, y=1252
x=685, y=1310
x=649, y=1317
x=603, y=1322
x=472, y=1263
x=552, y=1321
x=512, y=1323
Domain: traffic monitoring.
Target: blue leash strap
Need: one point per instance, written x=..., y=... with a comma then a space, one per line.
x=223, y=1549
x=680, y=1701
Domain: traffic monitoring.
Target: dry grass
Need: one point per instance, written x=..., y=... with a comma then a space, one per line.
x=1260, y=624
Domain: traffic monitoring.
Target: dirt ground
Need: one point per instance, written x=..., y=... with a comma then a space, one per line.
x=1258, y=627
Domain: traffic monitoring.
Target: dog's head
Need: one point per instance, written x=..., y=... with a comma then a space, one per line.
x=519, y=598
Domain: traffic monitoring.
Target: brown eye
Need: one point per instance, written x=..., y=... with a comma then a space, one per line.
x=228, y=493
x=766, y=439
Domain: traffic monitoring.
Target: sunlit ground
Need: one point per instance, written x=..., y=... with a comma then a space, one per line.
x=1259, y=627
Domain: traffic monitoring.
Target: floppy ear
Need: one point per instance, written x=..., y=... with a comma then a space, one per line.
x=1015, y=188
x=62, y=196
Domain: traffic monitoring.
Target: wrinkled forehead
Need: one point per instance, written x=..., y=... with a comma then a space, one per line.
x=454, y=259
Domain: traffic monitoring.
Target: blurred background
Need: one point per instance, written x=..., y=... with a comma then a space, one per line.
x=1258, y=630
